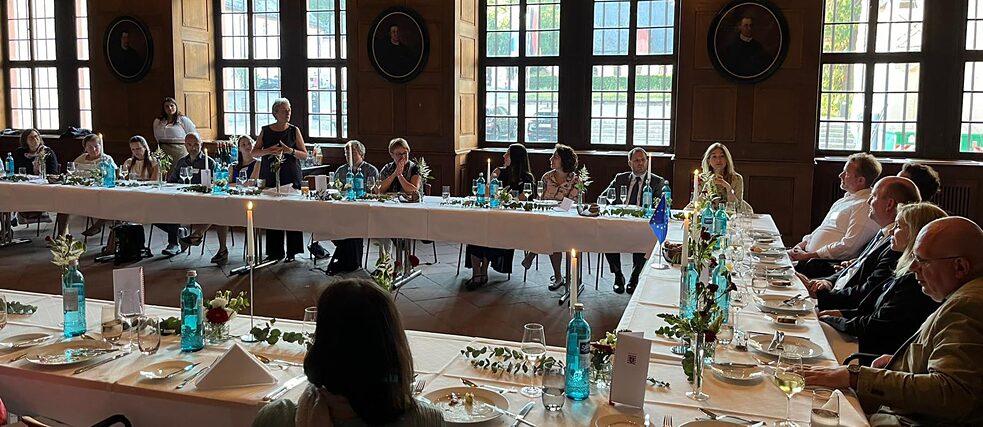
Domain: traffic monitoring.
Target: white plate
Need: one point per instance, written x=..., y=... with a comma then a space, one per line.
x=799, y=322
x=160, y=370
x=459, y=414
x=780, y=283
x=26, y=340
x=707, y=423
x=68, y=352
x=803, y=347
x=767, y=250
x=735, y=373
x=773, y=304
x=619, y=420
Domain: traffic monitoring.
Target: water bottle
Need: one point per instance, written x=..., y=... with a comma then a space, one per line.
x=578, y=355
x=687, y=290
x=720, y=225
x=350, y=180
x=216, y=180
x=480, y=197
x=721, y=278
x=109, y=173
x=73, y=300
x=234, y=153
x=192, y=315
x=10, y=165
x=706, y=218
x=359, y=184
x=647, y=200
x=493, y=200
x=668, y=192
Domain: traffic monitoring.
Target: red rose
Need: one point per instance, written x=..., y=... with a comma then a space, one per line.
x=705, y=235
x=414, y=261
x=710, y=336
x=217, y=315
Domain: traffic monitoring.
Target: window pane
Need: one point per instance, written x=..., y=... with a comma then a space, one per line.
x=43, y=30
x=609, y=104
x=894, y=107
x=46, y=97
x=235, y=27
x=543, y=29
x=971, y=135
x=542, y=103
x=841, y=107
x=18, y=30
x=235, y=95
x=655, y=22
x=501, y=103
x=322, y=29
x=899, y=25
x=266, y=90
x=611, y=19
x=82, y=30
x=653, y=105
x=845, y=26
x=85, y=99
x=323, y=98
x=266, y=30
x=974, y=28
x=502, y=24
x=21, y=98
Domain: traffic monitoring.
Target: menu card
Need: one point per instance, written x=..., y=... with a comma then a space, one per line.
x=630, y=369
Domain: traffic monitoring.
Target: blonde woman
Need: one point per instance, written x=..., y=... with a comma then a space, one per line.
x=718, y=160
x=887, y=317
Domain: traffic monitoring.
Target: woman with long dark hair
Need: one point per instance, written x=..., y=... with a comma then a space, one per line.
x=561, y=183
x=364, y=383
x=170, y=128
x=514, y=173
x=141, y=166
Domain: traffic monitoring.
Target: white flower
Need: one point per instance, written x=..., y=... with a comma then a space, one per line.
x=231, y=313
x=219, y=302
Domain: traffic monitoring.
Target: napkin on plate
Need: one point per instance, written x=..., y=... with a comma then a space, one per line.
x=236, y=368
x=285, y=190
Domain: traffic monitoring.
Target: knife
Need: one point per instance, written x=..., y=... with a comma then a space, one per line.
x=793, y=300
x=523, y=412
x=187, y=380
x=499, y=390
x=294, y=382
x=736, y=365
x=178, y=371
x=518, y=418
x=28, y=342
x=101, y=362
x=776, y=340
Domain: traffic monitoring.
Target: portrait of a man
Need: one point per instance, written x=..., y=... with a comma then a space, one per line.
x=129, y=49
x=399, y=45
x=747, y=40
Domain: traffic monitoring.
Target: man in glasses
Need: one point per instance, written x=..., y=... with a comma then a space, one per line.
x=935, y=377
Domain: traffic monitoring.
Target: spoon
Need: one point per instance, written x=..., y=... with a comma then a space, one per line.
x=269, y=361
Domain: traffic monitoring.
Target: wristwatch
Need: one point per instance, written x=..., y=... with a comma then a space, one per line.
x=854, y=371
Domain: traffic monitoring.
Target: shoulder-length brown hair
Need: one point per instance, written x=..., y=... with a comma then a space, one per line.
x=25, y=134
x=568, y=158
x=163, y=113
x=728, y=169
x=149, y=164
x=360, y=351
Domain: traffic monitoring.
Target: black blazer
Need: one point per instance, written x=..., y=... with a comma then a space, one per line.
x=624, y=178
x=885, y=320
x=875, y=270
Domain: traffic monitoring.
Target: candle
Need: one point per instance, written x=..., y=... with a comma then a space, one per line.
x=250, y=232
x=574, y=284
x=696, y=182
x=348, y=157
x=206, y=158
x=488, y=179
x=685, y=254
x=648, y=168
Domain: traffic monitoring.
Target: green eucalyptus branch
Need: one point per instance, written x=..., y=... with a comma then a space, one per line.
x=507, y=360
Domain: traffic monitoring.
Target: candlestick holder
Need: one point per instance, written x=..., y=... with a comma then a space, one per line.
x=249, y=337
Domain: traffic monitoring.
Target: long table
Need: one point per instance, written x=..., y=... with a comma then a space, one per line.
x=536, y=231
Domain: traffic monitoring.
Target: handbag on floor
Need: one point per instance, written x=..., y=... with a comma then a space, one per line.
x=130, y=243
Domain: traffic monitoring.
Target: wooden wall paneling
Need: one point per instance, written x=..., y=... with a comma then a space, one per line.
x=775, y=116
x=376, y=106
x=714, y=114
x=466, y=85
x=423, y=111
x=194, y=65
x=763, y=181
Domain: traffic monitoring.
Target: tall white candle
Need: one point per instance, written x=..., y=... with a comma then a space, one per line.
x=488, y=179
x=696, y=182
x=648, y=168
x=250, y=232
x=685, y=254
x=574, y=283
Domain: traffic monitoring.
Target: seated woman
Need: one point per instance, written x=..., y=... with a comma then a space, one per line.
x=348, y=252
x=515, y=173
x=400, y=175
x=27, y=157
x=366, y=384
x=245, y=165
x=561, y=183
x=89, y=161
x=885, y=320
x=729, y=183
x=140, y=166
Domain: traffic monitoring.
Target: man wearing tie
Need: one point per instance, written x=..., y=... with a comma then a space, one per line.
x=634, y=180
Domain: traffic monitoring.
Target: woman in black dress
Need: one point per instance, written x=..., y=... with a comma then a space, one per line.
x=513, y=175
x=281, y=137
x=401, y=175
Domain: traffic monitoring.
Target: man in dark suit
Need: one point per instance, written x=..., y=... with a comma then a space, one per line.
x=875, y=265
x=634, y=180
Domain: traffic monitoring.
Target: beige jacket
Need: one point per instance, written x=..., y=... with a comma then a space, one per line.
x=938, y=377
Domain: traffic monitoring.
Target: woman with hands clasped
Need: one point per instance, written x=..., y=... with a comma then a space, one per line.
x=281, y=139
x=402, y=174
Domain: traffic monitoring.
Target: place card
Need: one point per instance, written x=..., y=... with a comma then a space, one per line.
x=129, y=280
x=320, y=182
x=630, y=369
x=206, y=177
x=236, y=368
x=565, y=205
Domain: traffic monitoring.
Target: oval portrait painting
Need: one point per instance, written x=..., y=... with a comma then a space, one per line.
x=398, y=44
x=748, y=40
x=129, y=49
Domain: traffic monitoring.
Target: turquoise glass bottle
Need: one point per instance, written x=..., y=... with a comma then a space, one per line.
x=578, y=355
x=73, y=300
x=192, y=318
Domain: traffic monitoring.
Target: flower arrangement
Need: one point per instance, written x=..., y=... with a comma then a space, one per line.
x=223, y=307
x=583, y=179
x=425, y=173
x=271, y=335
x=197, y=188
x=14, y=178
x=223, y=150
x=163, y=161
x=385, y=271
x=65, y=249
x=275, y=167
x=41, y=159
x=507, y=360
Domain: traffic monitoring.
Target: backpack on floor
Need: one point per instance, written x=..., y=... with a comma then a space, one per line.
x=130, y=244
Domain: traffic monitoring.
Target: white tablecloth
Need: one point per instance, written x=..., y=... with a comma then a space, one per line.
x=540, y=232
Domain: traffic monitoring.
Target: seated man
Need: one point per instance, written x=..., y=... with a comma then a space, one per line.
x=348, y=252
x=935, y=377
x=846, y=228
x=875, y=265
x=924, y=177
x=634, y=180
x=197, y=160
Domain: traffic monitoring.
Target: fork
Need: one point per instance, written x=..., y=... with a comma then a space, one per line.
x=418, y=387
x=667, y=421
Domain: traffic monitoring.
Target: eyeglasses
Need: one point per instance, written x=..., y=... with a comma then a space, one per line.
x=400, y=153
x=923, y=261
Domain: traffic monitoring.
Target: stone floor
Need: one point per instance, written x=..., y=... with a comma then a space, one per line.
x=436, y=301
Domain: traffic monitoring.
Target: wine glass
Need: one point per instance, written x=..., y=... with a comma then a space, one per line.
x=70, y=168
x=3, y=312
x=610, y=195
x=148, y=334
x=527, y=190
x=370, y=182
x=129, y=306
x=123, y=173
x=533, y=348
x=540, y=189
x=310, y=320
x=242, y=178
x=623, y=192
x=183, y=173
x=474, y=187
x=789, y=380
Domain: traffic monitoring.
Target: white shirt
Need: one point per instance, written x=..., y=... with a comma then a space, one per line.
x=166, y=132
x=845, y=230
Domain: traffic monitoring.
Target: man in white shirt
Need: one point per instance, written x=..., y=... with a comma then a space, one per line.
x=847, y=229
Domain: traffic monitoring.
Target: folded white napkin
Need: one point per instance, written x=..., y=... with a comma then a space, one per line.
x=285, y=190
x=236, y=368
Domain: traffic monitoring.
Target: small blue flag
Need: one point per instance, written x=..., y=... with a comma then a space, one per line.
x=660, y=220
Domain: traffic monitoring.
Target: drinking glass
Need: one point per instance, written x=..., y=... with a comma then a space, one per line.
x=554, y=387
x=370, y=184
x=610, y=195
x=759, y=285
x=70, y=168
x=242, y=178
x=310, y=320
x=623, y=192
x=21, y=171
x=112, y=326
x=527, y=190
x=123, y=173
x=445, y=193
x=474, y=187
x=3, y=312
x=789, y=381
x=148, y=334
x=825, y=408
x=726, y=333
x=533, y=348
x=540, y=189
x=183, y=173
x=130, y=307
